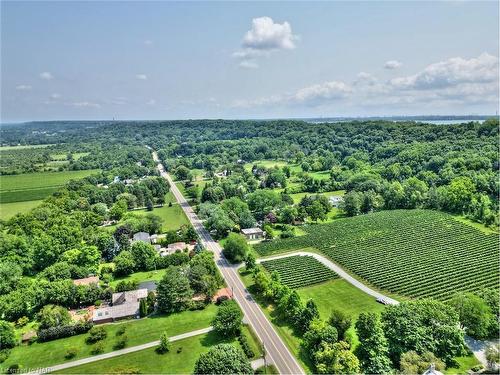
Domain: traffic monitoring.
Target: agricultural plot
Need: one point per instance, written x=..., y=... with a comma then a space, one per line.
x=415, y=253
x=300, y=271
x=34, y=186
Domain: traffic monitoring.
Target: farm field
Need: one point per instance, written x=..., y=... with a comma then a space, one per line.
x=179, y=360
x=7, y=210
x=138, y=332
x=35, y=186
x=299, y=271
x=22, y=147
x=173, y=217
x=414, y=253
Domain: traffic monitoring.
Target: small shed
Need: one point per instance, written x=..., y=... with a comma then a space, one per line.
x=253, y=233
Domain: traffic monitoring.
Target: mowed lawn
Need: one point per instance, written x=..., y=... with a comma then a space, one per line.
x=7, y=210
x=35, y=186
x=298, y=196
x=138, y=332
x=140, y=277
x=173, y=216
x=179, y=360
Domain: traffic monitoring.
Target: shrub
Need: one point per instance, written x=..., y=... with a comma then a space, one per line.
x=55, y=333
x=121, y=343
x=121, y=330
x=13, y=369
x=221, y=299
x=22, y=321
x=125, y=285
x=245, y=346
x=96, y=334
x=71, y=353
x=98, y=348
x=4, y=354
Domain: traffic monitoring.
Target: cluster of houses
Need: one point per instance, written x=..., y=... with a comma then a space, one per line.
x=162, y=251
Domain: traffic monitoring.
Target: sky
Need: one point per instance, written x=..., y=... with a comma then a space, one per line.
x=180, y=60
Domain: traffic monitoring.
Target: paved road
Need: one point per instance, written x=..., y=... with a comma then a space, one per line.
x=116, y=353
x=276, y=351
x=339, y=271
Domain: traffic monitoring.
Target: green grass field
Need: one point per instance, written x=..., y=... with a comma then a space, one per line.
x=140, y=277
x=138, y=332
x=22, y=147
x=179, y=360
x=35, y=186
x=7, y=210
x=298, y=196
x=173, y=217
x=414, y=253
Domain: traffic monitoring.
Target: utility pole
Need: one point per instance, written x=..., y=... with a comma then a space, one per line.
x=264, y=353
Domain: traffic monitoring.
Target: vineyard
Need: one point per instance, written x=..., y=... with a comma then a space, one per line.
x=416, y=253
x=299, y=271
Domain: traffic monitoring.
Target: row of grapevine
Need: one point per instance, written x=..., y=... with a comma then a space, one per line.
x=416, y=253
x=299, y=271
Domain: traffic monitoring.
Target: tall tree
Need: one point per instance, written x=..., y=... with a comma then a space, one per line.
x=174, y=291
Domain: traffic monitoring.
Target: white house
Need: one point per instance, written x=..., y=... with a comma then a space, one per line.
x=253, y=233
x=336, y=200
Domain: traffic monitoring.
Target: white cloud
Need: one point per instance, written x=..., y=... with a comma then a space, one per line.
x=151, y=102
x=148, y=42
x=23, y=87
x=55, y=96
x=315, y=94
x=85, y=105
x=452, y=72
x=264, y=37
x=46, y=76
x=268, y=35
x=248, y=64
x=141, y=76
x=456, y=81
x=392, y=64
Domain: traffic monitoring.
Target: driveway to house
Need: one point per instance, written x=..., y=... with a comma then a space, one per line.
x=276, y=351
x=339, y=271
x=117, y=353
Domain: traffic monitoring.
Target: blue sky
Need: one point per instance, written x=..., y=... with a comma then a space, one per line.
x=167, y=60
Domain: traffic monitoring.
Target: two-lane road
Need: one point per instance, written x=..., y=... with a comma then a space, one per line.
x=276, y=351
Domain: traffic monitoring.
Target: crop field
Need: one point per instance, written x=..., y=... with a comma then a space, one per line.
x=7, y=210
x=299, y=271
x=415, y=253
x=34, y=186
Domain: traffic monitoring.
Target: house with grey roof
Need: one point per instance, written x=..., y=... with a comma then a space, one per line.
x=141, y=236
x=123, y=305
x=253, y=233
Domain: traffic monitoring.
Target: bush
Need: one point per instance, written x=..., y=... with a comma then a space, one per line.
x=55, y=333
x=245, y=346
x=125, y=285
x=96, y=334
x=121, y=343
x=13, y=369
x=98, y=348
x=196, y=305
x=121, y=330
x=22, y=321
x=221, y=299
x=71, y=353
x=4, y=354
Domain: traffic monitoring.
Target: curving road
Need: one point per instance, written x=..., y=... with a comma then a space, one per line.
x=276, y=350
x=339, y=271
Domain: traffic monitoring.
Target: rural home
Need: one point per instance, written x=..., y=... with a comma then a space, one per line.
x=141, y=236
x=336, y=200
x=123, y=305
x=253, y=233
x=87, y=281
